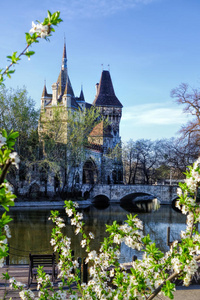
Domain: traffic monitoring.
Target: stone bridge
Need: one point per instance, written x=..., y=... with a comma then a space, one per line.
x=116, y=192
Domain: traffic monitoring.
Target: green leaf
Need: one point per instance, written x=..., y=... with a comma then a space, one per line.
x=168, y=288
x=14, y=58
x=6, y=276
x=13, y=135
x=146, y=239
x=29, y=53
x=49, y=14
x=30, y=39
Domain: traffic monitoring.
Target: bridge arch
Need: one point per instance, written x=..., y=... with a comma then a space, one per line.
x=101, y=201
x=173, y=204
x=118, y=192
x=137, y=196
x=101, y=196
x=139, y=202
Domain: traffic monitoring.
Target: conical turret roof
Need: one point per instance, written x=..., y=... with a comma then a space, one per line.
x=68, y=88
x=106, y=94
x=82, y=98
x=44, y=92
x=62, y=78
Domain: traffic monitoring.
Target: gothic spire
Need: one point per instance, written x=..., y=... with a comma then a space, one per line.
x=44, y=92
x=81, y=98
x=64, y=58
x=62, y=78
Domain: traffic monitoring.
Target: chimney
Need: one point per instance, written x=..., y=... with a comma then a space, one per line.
x=97, y=87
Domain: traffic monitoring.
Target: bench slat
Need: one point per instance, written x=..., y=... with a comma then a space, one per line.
x=44, y=260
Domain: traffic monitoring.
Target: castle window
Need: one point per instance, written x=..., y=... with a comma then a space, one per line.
x=50, y=113
x=77, y=179
x=90, y=173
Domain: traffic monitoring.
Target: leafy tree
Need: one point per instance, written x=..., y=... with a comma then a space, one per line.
x=17, y=110
x=65, y=137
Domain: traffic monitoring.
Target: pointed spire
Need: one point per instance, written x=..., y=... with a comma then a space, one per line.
x=68, y=88
x=81, y=98
x=62, y=78
x=44, y=93
x=105, y=93
x=64, y=58
x=64, y=49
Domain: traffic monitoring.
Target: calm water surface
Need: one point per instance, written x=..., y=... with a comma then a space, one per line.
x=31, y=229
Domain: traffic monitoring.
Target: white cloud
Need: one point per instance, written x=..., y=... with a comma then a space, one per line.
x=95, y=8
x=154, y=114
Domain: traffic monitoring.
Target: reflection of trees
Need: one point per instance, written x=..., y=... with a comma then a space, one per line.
x=30, y=232
x=30, y=229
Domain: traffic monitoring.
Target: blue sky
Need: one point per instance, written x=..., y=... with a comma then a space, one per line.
x=152, y=46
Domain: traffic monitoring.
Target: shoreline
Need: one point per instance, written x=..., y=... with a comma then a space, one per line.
x=48, y=203
x=54, y=204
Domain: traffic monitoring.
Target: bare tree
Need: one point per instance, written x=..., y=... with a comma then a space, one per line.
x=190, y=98
x=141, y=159
x=130, y=157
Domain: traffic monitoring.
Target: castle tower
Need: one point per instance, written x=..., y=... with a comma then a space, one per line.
x=110, y=107
x=45, y=96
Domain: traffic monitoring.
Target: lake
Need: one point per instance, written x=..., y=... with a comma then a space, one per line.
x=31, y=229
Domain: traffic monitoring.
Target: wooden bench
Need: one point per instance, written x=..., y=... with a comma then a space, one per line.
x=45, y=260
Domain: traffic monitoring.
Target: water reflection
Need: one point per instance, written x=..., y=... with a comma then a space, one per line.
x=31, y=229
x=141, y=205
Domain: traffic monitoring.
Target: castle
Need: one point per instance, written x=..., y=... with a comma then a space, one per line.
x=96, y=167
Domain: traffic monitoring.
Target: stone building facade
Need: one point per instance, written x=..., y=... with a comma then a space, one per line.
x=97, y=166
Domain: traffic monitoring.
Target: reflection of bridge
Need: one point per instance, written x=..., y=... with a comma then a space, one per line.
x=116, y=192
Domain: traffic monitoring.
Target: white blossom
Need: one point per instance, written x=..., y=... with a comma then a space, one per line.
x=69, y=212
x=177, y=204
x=7, y=230
x=179, y=191
x=2, y=141
x=83, y=243
x=117, y=239
x=76, y=204
x=79, y=216
x=15, y=159
x=73, y=221
x=91, y=235
x=41, y=30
